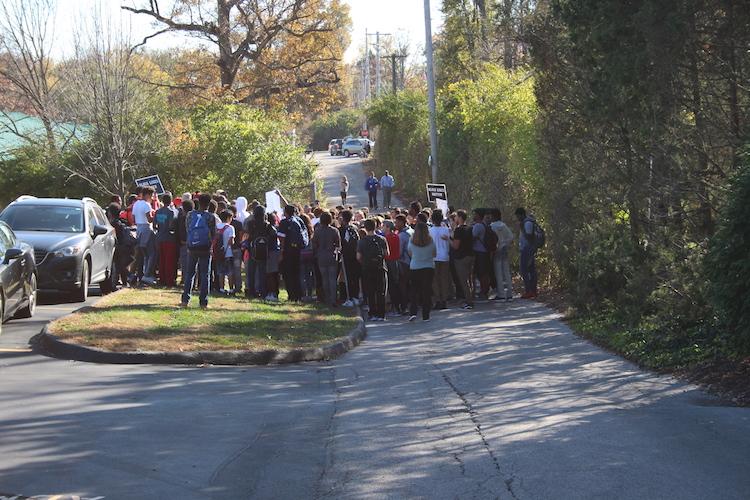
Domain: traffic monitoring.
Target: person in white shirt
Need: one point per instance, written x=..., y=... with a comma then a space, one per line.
x=442, y=281
x=225, y=269
x=143, y=215
x=344, y=189
x=500, y=260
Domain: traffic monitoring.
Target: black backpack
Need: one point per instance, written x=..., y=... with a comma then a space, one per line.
x=490, y=239
x=537, y=236
x=372, y=253
x=349, y=248
x=259, y=247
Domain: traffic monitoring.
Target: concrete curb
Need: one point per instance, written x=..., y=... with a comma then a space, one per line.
x=49, y=344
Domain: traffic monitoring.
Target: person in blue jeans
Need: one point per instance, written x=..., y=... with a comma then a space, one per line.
x=199, y=257
x=371, y=186
x=528, y=254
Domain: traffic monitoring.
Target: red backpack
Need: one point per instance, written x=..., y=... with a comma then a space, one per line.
x=217, y=246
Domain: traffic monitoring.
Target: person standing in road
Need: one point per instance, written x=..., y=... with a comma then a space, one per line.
x=441, y=236
x=372, y=251
x=371, y=186
x=326, y=242
x=391, y=262
x=421, y=271
x=350, y=266
x=500, y=260
x=527, y=244
x=386, y=183
x=344, y=189
x=404, y=236
x=463, y=253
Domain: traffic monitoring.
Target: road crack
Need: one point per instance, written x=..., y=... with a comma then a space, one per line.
x=474, y=417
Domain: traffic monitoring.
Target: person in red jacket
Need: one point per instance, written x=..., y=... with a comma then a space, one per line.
x=391, y=262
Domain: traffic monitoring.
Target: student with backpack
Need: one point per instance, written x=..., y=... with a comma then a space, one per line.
x=371, y=253
x=292, y=239
x=260, y=244
x=222, y=252
x=201, y=228
x=483, y=238
x=531, y=239
x=350, y=266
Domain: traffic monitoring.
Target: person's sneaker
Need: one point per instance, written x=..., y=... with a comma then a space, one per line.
x=183, y=305
x=348, y=303
x=527, y=295
x=467, y=307
x=412, y=317
x=425, y=319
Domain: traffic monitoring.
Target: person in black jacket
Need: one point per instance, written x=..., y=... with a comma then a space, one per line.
x=124, y=246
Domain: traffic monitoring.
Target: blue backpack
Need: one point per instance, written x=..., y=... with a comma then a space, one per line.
x=198, y=233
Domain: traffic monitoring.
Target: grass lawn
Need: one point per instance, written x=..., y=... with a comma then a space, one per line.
x=150, y=320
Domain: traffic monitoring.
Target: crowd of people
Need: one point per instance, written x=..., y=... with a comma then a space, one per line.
x=404, y=261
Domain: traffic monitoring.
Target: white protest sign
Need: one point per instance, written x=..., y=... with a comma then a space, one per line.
x=273, y=202
x=442, y=205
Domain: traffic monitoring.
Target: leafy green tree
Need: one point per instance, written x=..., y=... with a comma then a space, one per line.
x=335, y=126
x=243, y=150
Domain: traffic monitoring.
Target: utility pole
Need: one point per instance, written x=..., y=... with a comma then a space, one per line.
x=431, y=92
x=367, y=66
x=377, y=64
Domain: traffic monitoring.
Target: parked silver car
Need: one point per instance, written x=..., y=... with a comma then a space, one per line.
x=354, y=147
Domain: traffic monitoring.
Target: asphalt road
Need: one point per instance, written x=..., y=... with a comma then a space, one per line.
x=500, y=402
x=333, y=167
x=17, y=332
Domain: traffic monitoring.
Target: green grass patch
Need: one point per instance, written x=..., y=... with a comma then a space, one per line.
x=150, y=320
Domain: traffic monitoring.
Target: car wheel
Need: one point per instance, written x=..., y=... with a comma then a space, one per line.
x=82, y=294
x=106, y=285
x=28, y=310
x=346, y=153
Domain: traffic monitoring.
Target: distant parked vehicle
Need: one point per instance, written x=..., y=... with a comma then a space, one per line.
x=355, y=147
x=74, y=243
x=334, y=147
x=18, y=277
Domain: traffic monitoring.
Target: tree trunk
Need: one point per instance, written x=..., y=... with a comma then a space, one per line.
x=226, y=61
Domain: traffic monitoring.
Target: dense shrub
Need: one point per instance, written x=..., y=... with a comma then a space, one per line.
x=728, y=264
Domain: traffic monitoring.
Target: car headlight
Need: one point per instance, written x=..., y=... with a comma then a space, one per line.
x=68, y=251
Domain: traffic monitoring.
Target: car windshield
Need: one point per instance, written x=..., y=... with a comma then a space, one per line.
x=44, y=218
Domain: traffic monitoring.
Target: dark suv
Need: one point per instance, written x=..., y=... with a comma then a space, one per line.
x=73, y=242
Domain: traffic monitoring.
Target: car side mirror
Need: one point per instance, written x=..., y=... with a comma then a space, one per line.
x=12, y=254
x=100, y=230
